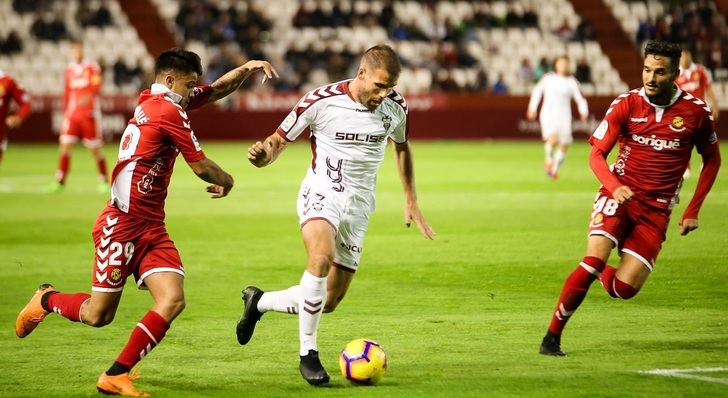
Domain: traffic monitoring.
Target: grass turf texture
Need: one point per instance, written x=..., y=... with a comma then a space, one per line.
x=460, y=316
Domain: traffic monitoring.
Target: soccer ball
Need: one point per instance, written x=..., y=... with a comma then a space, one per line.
x=363, y=361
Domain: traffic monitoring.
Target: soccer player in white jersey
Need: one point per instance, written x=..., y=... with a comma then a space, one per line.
x=557, y=90
x=350, y=123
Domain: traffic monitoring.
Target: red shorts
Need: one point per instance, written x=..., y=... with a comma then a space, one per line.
x=130, y=246
x=81, y=126
x=634, y=227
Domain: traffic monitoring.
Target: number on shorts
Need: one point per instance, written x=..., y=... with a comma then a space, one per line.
x=117, y=249
x=606, y=206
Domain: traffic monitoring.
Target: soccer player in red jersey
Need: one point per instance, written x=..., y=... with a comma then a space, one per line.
x=10, y=91
x=129, y=235
x=695, y=79
x=81, y=117
x=656, y=128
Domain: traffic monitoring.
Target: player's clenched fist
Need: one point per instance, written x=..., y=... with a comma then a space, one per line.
x=257, y=154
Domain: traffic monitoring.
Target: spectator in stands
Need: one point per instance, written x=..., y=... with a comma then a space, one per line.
x=500, y=87
x=543, y=67
x=583, y=71
x=584, y=31
x=564, y=31
x=127, y=73
x=525, y=71
x=11, y=44
x=49, y=27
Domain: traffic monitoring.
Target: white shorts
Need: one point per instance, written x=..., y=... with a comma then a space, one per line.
x=561, y=127
x=347, y=212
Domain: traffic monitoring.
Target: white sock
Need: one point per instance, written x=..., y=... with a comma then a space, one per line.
x=560, y=156
x=310, y=306
x=281, y=300
x=548, y=151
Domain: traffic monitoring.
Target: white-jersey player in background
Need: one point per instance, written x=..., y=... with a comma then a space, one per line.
x=350, y=123
x=557, y=89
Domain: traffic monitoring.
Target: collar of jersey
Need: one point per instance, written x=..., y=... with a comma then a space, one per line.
x=674, y=98
x=162, y=89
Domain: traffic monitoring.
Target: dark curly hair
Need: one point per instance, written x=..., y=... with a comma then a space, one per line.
x=665, y=49
x=178, y=60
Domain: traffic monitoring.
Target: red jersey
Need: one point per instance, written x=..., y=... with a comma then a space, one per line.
x=83, y=83
x=10, y=91
x=654, y=142
x=158, y=132
x=694, y=80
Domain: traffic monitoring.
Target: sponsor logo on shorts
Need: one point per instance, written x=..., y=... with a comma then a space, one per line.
x=351, y=248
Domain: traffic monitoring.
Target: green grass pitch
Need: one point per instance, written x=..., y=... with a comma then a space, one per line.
x=459, y=316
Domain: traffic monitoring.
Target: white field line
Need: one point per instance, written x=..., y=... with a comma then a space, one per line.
x=689, y=374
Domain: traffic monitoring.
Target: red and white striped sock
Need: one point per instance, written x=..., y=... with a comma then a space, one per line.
x=615, y=287
x=67, y=305
x=147, y=334
x=574, y=292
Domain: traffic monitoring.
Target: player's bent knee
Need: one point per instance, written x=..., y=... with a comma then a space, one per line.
x=98, y=320
x=170, y=309
x=624, y=290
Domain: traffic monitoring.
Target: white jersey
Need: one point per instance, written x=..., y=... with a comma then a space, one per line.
x=557, y=92
x=348, y=141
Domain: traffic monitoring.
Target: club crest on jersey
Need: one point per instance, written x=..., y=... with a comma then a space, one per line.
x=387, y=121
x=678, y=124
x=2, y=90
x=115, y=274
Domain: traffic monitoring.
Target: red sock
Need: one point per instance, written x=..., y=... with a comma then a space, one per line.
x=145, y=336
x=101, y=164
x=67, y=305
x=64, y=164
x=615, y=287
x=574, y=291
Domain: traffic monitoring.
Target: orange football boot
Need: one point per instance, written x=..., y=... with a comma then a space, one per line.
x=120, y=384
x=33, y=313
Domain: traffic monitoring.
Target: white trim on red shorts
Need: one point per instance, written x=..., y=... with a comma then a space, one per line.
x=638, y=257
x=156, y=270
x=106, y=289
x=605, y=234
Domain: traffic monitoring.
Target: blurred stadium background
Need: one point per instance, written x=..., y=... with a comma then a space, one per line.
x=470, y=61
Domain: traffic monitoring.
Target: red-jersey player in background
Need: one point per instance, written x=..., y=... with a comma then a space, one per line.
x=656, y=128
x=81, y=117
x=695, y=79
x=10, y=91
x=130, y=236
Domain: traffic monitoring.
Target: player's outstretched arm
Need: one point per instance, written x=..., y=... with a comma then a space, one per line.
x=405, y=166
x=210, y=172
x=232, y=80
x=711, y=165
x=264, y=153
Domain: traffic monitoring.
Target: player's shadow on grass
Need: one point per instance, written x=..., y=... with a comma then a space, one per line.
x=711, y=345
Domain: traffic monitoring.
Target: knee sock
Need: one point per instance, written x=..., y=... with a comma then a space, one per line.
x=64, y=164
x=615, y=287
x=574, y=291
x=548, y=150
x=147, y=334
x=65, y=304
x=281, y=300
x=101, y=164
x=558, y=161
x=310, y=307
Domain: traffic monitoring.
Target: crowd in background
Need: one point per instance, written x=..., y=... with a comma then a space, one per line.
x=695, y=23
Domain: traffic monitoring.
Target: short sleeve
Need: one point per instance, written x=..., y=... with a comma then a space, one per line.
x=400, y=133
x=175, y=125
x=302, y=116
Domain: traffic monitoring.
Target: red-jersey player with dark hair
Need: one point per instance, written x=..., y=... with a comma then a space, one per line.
x=10, y=91
x=130, y=236
x=656, y=128
x=81, y=117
